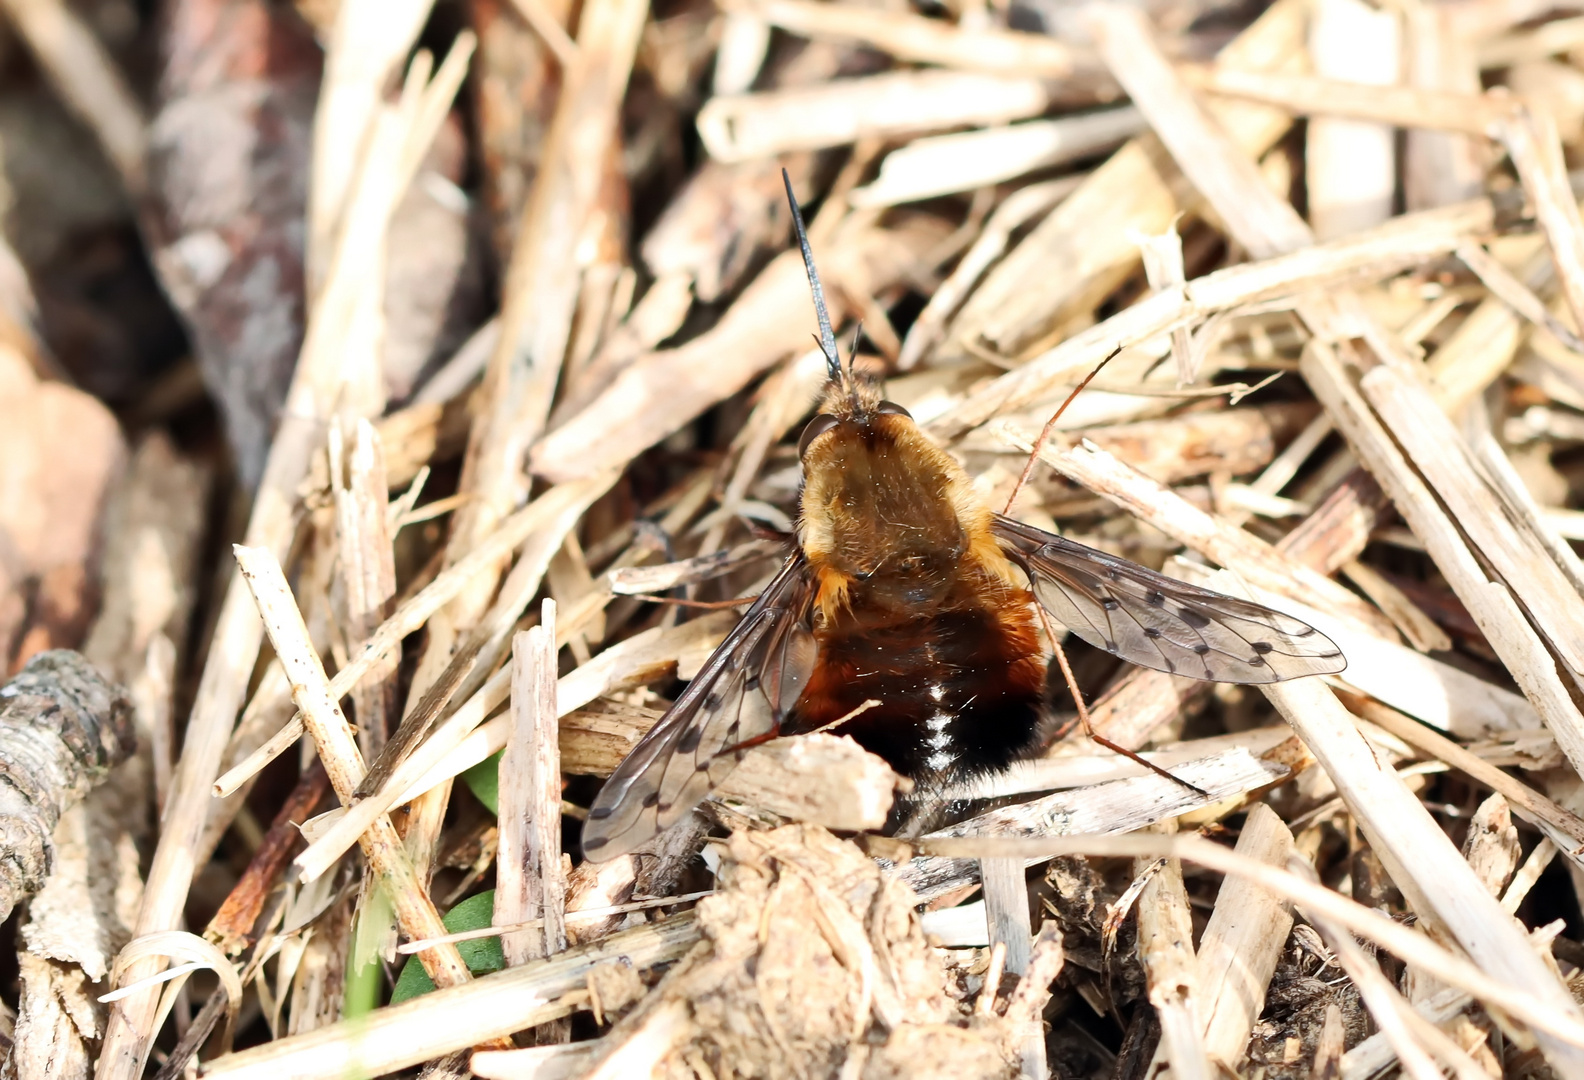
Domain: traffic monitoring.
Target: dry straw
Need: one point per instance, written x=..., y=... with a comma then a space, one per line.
x=1363, y=417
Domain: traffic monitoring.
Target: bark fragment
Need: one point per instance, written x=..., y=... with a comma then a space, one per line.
x=62, y=727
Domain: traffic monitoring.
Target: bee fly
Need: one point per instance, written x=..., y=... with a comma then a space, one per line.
x=903, y=588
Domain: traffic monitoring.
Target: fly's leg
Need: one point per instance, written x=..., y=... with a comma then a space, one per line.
x=1083, y=713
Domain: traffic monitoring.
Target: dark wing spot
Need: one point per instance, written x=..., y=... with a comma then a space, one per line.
x=1256, y=661
x=1305, y=632
x=690, y=740
x=702, y=766
x=1151, y=632
x=1156, y=599
x=1114, y=575
x=594, y=843
x=1201, y=649
x=1195, y=619
x=600, y=813
x=665, y=808
x=1110, y=603
x=751, y=682
x=712, y=701
x=1262, y=646
x=651, y=799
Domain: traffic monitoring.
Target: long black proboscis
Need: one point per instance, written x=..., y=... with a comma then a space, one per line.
x=827, y=335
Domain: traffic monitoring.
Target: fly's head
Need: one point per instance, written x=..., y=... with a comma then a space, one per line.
x=886, y=515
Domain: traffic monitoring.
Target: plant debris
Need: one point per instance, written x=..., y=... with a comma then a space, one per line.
x=402, y=402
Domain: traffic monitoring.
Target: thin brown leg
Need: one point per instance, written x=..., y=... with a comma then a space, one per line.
x=1083, y=713
x=706, y=605
x=1050, y=426
x=776, y=732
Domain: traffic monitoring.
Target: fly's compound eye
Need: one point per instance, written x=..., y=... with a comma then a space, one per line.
x=816, y=427
x=894, y=408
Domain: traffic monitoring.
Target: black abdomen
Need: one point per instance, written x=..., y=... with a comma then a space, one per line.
x=959, y=691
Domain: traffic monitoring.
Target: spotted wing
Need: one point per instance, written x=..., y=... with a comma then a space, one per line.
x=743, y=693
x=1162, y=623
